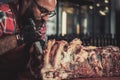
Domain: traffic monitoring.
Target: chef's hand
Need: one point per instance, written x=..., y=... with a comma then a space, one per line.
x=28, y=35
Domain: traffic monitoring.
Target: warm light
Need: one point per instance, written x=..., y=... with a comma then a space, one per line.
x=64, y=23
x=85, y=25
x=91, y=7
x=102, y=12
x=106, y=8
x=106, y=1
x=98, y=5
x=78, y=29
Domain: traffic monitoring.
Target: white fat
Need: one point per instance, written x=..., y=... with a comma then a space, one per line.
x=82, y=56
x=63, y=74
x=66, y=58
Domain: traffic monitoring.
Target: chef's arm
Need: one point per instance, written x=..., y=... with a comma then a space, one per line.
x=7, y=43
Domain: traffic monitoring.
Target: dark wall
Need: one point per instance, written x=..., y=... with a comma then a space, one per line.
x=117, y=7
x=118, y=21
x=5, y=0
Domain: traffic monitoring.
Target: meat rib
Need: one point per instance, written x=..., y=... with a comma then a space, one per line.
x=63, y=60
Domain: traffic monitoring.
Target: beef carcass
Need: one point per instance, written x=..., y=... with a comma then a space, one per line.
x=63, y=60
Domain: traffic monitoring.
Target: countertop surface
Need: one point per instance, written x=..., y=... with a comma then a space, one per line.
x=103, y=78
x=27, y=77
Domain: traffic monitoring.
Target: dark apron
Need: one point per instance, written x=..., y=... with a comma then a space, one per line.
x=13, y=62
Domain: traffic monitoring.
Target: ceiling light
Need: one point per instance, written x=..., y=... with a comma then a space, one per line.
x=102, y=12
x=98, y=5
x=106, y=8
x=91, y=7
x=106, y=1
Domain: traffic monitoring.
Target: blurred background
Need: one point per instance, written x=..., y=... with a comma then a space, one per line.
x=95, y=22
